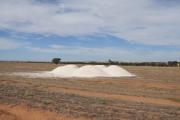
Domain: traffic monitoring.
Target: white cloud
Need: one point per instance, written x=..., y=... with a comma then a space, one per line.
x=8, y=44
x=78, y=50
x=139, y=21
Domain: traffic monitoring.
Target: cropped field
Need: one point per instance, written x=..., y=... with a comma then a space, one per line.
x=154, y=94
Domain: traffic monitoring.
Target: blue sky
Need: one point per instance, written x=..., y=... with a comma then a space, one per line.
x=123, y=30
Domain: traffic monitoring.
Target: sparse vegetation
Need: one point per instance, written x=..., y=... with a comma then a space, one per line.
x=93, y=98
x=103, y=101
x=175, y=99
x=56, y=60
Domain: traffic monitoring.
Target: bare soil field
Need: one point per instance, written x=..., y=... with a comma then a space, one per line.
x=153, y=94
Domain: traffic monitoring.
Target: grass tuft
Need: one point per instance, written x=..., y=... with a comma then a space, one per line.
x=175, y=99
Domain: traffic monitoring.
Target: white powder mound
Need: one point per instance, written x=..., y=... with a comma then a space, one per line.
x=102, y=67
x=116, y=71
x=87, y=71
x=64, y=71
x=90, y=71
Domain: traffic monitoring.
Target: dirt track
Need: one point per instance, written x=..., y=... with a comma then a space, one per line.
x=153, y=94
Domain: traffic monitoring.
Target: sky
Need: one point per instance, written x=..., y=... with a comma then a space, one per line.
x=90, y=30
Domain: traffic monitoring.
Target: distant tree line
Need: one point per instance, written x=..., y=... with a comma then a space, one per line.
x=111, y=62
x=165, y=64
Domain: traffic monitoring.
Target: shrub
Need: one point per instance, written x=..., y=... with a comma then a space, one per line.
x=56, y=60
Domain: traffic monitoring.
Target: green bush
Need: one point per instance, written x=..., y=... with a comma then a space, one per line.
x=56, y=60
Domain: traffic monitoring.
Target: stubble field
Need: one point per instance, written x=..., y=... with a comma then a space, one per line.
x=154, y=94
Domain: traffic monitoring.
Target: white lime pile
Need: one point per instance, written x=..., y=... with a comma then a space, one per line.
x=89, y=71
x=86, y=71
x=64, y=71
x=116, y=71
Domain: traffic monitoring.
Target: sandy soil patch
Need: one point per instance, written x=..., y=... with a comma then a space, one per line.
x=22, y=112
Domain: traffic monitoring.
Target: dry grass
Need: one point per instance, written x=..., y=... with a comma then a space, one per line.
x=175, y=99
x=153, y=94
